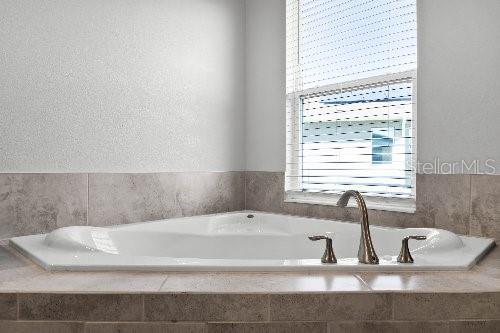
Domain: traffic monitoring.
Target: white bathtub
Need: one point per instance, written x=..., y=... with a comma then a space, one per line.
x=243, y=241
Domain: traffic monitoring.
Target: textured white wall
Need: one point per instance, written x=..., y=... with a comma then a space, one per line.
x=159, y=85
x=458, y=87
x=459, y=81
x=265, y=84
x=121, y=85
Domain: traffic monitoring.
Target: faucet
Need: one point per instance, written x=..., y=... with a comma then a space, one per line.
x=366, y=252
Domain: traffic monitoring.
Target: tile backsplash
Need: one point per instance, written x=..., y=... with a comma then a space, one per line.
x=37, y=203
x=126, y=198
x=465, y=204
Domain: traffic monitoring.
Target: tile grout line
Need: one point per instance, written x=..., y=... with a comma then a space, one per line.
x=88, y=198
x=392, y=306
x=470, y=205
x=143, y=314
x=269, y=308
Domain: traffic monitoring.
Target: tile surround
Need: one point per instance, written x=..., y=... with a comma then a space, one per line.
x=475, y=326
x=80, y=307
x=261, y=282
x=465, y=204
x=39, y=203
x=310, y=312
x=455, y=326
x=40, y=327
x=443, y=201
x=32, y=300
x=36, y=203
x=283, y=327
x=145, y=327
x=388, y=327
x=469, y=281
x=446, y=306
x=326, y=307
x=126, y=198
x=8, y=306
x=485, y=205
x=206, y=307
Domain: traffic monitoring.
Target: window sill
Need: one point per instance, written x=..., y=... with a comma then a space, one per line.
x=376, y=203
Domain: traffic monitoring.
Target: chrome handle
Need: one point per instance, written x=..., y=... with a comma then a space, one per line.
x=405, y=255
x=328, y=257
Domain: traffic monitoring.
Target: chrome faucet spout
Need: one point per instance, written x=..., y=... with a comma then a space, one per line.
x=366, y=252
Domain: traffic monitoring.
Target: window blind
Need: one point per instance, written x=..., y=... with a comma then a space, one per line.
x=351, y=99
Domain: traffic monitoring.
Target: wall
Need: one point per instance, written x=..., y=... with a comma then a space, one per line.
x=265, y=85
x=121, y=85
x=459, y=65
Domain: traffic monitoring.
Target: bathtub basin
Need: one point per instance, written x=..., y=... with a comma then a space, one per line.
x=242, y=241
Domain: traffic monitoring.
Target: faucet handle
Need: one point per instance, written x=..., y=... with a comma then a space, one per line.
x=405, y=255
x=328, y=257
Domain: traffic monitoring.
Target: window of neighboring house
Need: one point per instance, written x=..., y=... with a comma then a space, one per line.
x=351, y=101
x=382, y=141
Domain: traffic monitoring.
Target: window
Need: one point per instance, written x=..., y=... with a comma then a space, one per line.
x=351, y=101
x=382, y=141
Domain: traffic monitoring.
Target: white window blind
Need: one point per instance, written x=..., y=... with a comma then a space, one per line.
x=351, y=101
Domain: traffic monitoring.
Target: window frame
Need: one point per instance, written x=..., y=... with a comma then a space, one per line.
x=294, y=139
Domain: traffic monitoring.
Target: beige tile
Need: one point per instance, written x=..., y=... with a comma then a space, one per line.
x=125, y=198
x=443, y=201
x=206, y=307
x=11, y=278
x=9, y=259
x=261, y=282
x=40, y=327
x=476, y=326
x=490, y=264
x=388, y=327
x=145, y=327
x=44, y=282
x=38, y=203
x=285, y=327
x=492, y=269
x=337, y=306
x=394, y=219
x=446, y=306
x=264, y=191
x=431, y=282
x=485, y=198
x=8, y=306
x=14, y=268
x=81, y=307
x=17, y=274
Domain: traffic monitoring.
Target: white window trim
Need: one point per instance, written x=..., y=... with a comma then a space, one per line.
x=406, y=205
x=376, y=203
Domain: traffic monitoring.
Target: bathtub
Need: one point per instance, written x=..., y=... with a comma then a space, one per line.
x=243, y=241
